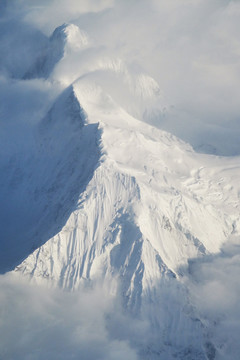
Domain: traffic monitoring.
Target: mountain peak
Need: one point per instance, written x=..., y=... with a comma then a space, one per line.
x=65, y=39
x=70, y=37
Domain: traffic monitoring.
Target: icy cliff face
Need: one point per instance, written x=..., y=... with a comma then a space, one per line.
x=44, y=179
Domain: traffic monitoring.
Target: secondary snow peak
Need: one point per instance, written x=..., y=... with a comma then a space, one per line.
x=64, y=40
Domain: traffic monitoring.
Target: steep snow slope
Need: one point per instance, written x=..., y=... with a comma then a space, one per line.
x=151, y=205
x=41, y=181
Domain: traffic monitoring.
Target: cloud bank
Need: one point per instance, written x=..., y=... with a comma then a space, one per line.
x=41, y=323
x=191, y=48
x=215, y=291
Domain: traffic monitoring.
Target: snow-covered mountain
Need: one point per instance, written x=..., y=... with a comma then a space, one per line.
x=150, y=205
x=100, y=196
x=172, y=200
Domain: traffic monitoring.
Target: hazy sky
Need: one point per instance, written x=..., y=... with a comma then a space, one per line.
x=191, y=48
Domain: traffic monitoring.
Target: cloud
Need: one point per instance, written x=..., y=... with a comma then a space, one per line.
x=48, y=15
x=191, y=48
x=214, y=291
x=42, y=323
x=22, y=105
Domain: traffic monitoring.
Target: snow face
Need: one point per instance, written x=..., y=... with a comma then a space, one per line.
x=44, y=179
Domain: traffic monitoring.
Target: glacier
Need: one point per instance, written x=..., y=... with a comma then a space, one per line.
x=100, y=197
